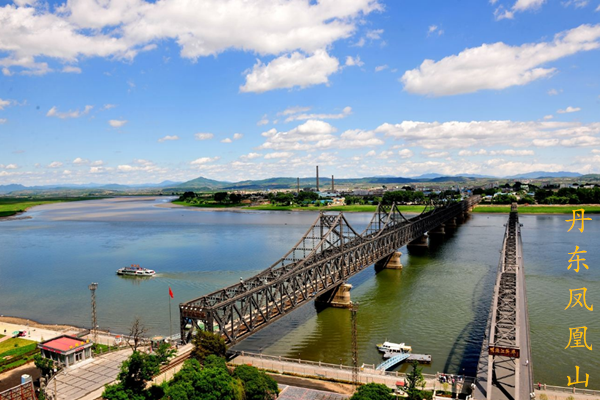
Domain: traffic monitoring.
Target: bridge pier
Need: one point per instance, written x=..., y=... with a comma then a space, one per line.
x=390, y=262
x=438, y=231
x=418, y=245
x=338, y=297
x=451, y=224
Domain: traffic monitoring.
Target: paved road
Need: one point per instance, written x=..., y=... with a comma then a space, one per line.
x=82, y=379
x=296, y=393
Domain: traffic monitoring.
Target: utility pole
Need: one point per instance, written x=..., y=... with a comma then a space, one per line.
x=353, y=311
x=93, y=287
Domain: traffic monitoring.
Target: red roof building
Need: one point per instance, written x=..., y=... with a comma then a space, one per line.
x=66, y=350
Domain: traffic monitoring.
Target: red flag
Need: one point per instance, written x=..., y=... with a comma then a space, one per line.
x=170, y=292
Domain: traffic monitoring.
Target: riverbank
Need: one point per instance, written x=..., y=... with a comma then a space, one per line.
x=538, y=209
x=269, y=207
x=12, y=206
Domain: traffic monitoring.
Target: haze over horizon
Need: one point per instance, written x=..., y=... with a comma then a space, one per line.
x=133, y=91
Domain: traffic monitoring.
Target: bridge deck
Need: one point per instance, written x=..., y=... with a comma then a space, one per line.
x=502, y=377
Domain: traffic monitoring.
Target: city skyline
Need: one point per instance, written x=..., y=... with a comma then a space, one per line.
x=134, y=92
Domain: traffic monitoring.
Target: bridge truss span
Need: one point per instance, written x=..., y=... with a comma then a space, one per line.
x=330, y=252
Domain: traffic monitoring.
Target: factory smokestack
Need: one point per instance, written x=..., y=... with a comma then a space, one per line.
x=332, y=184
x=317, y=178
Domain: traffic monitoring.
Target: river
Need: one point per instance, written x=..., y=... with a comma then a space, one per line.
x=438, y=303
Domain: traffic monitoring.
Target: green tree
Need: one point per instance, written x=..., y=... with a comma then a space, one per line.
x=164, y=353
x=373, y=391
x=257, y=384
x=415, y=380
x=207, y=343
x=135, y=373
x=45, y=365
x=220, y=197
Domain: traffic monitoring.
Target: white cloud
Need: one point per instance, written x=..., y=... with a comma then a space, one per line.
x=97, y=163
x=116, y=123
x=294, y=110
x=167, y=137
x=581, y=141
x=548, y=117
x=545, y=142
x=80, y=161
x=458, y=134
x=108, y=106
x=434, y=29
x=122, y=29
x=263, y=121
x=512, y=153
x=519, y=6
x=568, y=110
x=354, y=61
x=71, y=70
x=470, y=153
x=435, y=154
x=204, y=160
x=301, y=117
x=380, y=68
x=554, y=92
x=405, y=153
x=576, y=3
x=250, y=156
x=226, y=140
x=53, y=112
x=286, y=72
x=497, y=66
x=3, y=121
x=598, y=9
x=96, y=170
x=282, y=154
x=204, y=136
x=238, y=136
x=11, y=166
x=55, y=164
x=371, y=153
x=374, y=34
x=5, y=103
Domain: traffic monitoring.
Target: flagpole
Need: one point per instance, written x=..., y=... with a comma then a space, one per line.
x=170, y=320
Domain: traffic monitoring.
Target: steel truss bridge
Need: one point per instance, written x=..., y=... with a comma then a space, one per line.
x=505, y=369
x=328, y=254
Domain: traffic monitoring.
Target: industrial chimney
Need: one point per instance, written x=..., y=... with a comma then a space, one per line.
x=317, y=178
x=332, y=184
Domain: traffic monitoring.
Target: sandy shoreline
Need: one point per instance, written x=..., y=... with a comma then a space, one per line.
x=35, y=324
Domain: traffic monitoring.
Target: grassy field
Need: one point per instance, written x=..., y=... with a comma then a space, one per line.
x=538, y=209
x=15, y=352
x=10, y=206
x=205, y=205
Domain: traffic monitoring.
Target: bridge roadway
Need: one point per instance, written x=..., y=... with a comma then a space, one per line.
x=498, y=376
x=324, y=258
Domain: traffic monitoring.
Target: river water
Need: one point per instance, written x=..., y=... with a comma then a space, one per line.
x=438, y=303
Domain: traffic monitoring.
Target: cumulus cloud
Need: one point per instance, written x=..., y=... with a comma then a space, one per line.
x=55, y=164
x=122, y=29
x=3, y=121
x=568, y=110
x=354, y=61
x=236, y=136
x=166, y=138
x=80, y=161
x=435, y=154
x=282, y=154
x=263, y=121
x=286, y=72
x=380, y=68
x=458, y=134
x=117, y=123
x=250, y=156
x=9, y=166
x=203, y=136
x=71, y=70
x=97, y=163
x=53, y=112
x=302, y=116
x=405, y=153
x=5, y=103
x=508, y=152
x=374, y=34
x=204, y=160
x=108, y=106
x=294, y=110
x=498, y=65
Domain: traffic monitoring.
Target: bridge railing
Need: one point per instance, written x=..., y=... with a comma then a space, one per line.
x=572, y=390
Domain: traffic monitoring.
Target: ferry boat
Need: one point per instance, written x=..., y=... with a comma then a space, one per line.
x=389, y=347
x=135, y=270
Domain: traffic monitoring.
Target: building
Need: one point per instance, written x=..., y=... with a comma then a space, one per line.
x=66, y=350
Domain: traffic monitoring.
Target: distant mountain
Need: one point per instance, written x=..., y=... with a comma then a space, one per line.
x=428, y=176
x=202, y=182
x=11, y=188
x=544, y=174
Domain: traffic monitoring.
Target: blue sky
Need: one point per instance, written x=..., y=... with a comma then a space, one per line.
x=131, y=91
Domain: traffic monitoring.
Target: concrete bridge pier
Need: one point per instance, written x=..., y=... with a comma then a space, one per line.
x=418, y=245
x=451, y=224
x=338, y=297
x=390, y=262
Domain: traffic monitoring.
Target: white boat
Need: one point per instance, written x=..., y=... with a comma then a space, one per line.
x=389, y=347
x=135, y=270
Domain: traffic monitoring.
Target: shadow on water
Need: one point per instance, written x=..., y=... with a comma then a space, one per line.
x=467, y=346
